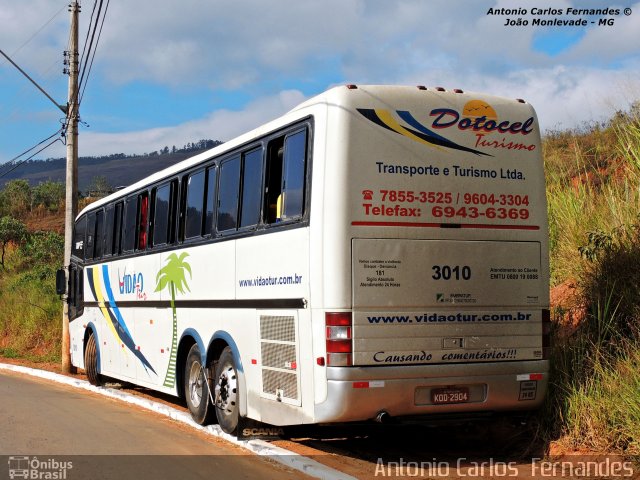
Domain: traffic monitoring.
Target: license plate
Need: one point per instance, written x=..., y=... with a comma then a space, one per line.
x=441, y=396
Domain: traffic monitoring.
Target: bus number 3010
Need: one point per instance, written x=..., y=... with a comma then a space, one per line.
x=446, y=272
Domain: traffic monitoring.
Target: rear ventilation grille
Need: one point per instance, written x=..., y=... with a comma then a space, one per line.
x=279, y=359
x=280, y=384
x=280, y=329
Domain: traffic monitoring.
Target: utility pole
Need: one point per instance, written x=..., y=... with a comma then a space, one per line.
x=71, y=203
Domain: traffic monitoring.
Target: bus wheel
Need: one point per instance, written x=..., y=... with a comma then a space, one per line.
x=91, y=361
x=196, y=389
x=226, y=392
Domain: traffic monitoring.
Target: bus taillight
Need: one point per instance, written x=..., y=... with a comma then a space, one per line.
x=338, y=327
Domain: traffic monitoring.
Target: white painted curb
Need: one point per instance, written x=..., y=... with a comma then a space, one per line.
x=259, y=447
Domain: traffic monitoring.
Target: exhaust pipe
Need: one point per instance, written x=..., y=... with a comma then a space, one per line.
x=383, y=417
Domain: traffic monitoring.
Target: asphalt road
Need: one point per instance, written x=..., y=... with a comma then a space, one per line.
x=105, y=439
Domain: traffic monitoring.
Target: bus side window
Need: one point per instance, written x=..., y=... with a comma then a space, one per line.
x=129, y=223
x=228, y=194
x=99, y=237
x=117, y=229
x=108, y=229
x=211, y=198
x=90, y=236
x=293, y=177
x=78, y=237
x=160, y=215
x=142, y=221
x=285, y=179
x=76, y=291
x=251, y=188
x=273, y=181
x=194, y=204
x=173, y=211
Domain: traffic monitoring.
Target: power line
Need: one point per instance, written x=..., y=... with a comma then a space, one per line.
x=93, y=34
x=90, y=52
x=83, y=85
x=34, y=82
x=16, y=165
x=39, y=30
x=86, y=39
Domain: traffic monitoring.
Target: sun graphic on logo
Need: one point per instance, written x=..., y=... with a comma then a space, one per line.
x=479, y=108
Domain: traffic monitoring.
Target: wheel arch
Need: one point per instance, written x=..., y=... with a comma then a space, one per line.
x=188, y=338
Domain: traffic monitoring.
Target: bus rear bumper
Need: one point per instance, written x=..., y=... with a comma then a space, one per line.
x=362, y=393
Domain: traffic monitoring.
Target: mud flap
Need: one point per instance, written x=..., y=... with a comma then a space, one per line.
x=249, y=429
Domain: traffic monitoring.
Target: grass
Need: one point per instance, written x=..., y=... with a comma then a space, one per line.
x=31, y=316
x=603, y=413
x=593, y=186
x=595, y=404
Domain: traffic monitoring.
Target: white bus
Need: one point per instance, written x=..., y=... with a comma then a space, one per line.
x=378, y=252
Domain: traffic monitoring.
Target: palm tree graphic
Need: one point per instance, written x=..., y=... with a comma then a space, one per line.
x=172, y=274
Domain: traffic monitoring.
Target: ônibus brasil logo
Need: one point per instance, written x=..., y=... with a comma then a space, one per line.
x=477, y=117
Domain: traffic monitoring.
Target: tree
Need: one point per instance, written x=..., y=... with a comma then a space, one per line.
x=49, y=194
x=100, y=186
x=173, y=276
x=11, y=231
x=44, y=249
x=16, y=198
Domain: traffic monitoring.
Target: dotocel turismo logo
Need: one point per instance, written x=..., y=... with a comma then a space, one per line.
x=477, y=117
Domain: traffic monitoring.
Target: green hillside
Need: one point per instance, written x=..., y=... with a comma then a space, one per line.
x=118, y=169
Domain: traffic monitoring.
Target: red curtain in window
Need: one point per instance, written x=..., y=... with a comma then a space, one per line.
x=144, y=215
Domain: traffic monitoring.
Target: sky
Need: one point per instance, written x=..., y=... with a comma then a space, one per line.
x=166, y=73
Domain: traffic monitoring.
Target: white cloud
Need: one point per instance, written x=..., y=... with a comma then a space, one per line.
x=565, y=97
x=225, y=44
x=219, y=125
x=604, y=45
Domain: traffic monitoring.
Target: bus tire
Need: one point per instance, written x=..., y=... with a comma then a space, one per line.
x=91, y=361
x=227, y=392
x=196, y=389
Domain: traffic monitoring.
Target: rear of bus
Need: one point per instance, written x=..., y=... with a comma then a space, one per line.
x=434, y=260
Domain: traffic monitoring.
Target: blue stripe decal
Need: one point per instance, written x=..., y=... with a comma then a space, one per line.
x=112, y=301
